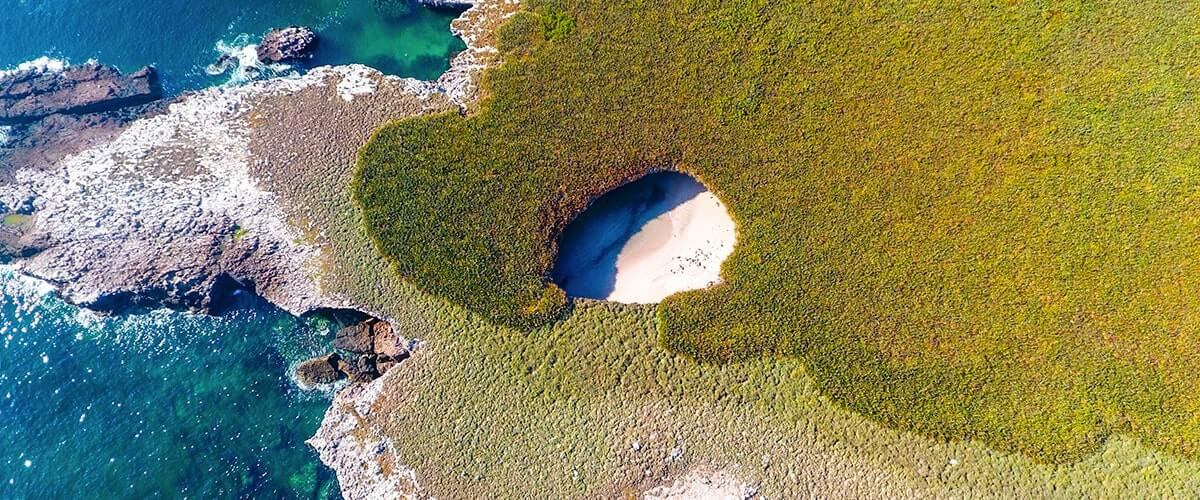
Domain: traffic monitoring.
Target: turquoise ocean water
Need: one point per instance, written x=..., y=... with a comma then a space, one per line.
x=170, y=404
x=164, y=404
x=182, y=37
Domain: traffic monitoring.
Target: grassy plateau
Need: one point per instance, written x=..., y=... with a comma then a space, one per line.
x=973, y=220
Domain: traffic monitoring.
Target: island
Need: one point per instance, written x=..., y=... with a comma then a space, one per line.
x=937, y=250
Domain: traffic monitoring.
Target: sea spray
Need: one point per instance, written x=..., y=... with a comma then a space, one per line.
x=239, y=59
x=44, y=64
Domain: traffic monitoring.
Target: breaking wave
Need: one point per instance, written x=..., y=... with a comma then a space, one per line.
x=239, y=60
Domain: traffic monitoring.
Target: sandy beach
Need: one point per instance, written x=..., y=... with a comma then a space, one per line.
x=645, y=241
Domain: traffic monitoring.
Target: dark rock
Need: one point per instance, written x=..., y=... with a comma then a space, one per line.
x=223, y=64
x=355, y=338
x=292, y=42
x=40, y=145
x=387, y=343
x=346, y=366
x=366, y=367
x=26, y=96
x=377, y=345
x=359, y=369
x=320, y=370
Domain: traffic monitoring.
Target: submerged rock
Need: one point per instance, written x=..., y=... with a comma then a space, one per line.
x=319, y=371
x=29, y=95
x=292, y=42
x=392, y=8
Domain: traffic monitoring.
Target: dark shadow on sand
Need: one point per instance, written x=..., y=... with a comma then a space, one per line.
x=589, y=247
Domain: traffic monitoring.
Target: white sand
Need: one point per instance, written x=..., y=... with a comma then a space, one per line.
x=649, y=239
x=680, y=250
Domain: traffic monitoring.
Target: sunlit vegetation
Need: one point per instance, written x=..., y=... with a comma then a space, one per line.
x=973, y=220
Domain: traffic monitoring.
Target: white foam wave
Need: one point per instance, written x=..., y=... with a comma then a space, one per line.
x=44, y=64
x=239, y=59
x=14, y=283
x=6, y=136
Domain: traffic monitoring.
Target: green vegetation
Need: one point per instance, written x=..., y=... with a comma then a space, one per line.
x=486, y=411
x=239, y=233
x=970, y=220
x=556, y=25
x=13, y=220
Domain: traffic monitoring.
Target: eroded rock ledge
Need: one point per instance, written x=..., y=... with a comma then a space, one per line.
x=32, y=94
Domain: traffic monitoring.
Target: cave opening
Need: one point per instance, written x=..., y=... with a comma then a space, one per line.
x=641, y=242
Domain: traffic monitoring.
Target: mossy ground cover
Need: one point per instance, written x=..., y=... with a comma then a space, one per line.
x=486, y=411
x=973, y=220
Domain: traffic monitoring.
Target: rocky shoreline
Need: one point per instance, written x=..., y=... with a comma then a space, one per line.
x=178, y=203
x=364, y=352
x=32, y=94
x=125, y=202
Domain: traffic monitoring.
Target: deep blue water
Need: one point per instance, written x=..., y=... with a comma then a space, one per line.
x=170, y=404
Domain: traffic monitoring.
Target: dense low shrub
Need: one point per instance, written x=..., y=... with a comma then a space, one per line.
x=970, y=219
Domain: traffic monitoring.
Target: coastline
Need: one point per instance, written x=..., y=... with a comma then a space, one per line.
x=171, y=205
x=755, y=424
x=140, y=153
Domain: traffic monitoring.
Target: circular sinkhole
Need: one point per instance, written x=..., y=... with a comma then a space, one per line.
x=646, y=240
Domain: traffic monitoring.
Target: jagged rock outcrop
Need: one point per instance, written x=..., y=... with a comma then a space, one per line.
x=372, y=336
x=283, y=44
x=372, y=348
x=29, y=95
x=355, y=338
x=319, y=371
